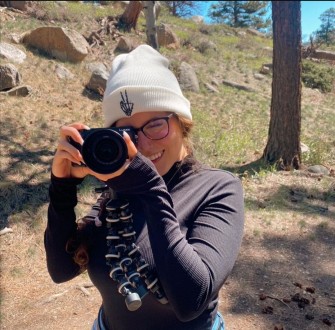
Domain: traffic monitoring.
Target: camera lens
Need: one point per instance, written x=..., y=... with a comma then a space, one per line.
x=104, y=151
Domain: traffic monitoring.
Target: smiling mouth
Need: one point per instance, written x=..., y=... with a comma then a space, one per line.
x=156, y=156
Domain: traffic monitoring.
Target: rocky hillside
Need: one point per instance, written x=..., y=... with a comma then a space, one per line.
x=54, y=61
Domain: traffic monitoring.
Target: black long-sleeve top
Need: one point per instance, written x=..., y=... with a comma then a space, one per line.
x=189, y=226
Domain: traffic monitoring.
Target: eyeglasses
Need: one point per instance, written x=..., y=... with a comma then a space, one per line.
x=157, y=128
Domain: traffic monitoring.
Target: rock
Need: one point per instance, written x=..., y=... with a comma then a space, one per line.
x=255, y=32
x=11, y=53
x=15, y=38
x=259, y=76
x=241, y=33
x=63, y=73
x=96, y=66
x=205, y=45
x=166, y=37
x=266, y=68
x=98, y=81
x=9, y=77
x=304, y=147
x=125, y=45
x=319, y=169
x=20, y=5
x=119, y=4
x=197, y=19
x=61, y=43
x=268, y=50
x=187, y=78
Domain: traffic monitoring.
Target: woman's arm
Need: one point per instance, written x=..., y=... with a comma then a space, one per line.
x=60, y=228
x=63, y=199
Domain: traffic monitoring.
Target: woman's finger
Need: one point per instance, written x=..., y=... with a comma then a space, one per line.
x=65, y=155
x=132, y=150
x=74, y=153
x=72, y=131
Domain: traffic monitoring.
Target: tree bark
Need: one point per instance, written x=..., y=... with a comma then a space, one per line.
x=283, y=146
x=150, y=15
x=128, y=19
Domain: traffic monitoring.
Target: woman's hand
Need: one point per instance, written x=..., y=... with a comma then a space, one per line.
x=67, y=155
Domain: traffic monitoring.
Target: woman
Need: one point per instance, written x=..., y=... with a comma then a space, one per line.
x=167, y=232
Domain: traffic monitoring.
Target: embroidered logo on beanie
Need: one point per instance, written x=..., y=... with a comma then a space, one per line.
x=125, y=105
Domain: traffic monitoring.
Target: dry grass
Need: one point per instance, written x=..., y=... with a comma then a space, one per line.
x=289, y=233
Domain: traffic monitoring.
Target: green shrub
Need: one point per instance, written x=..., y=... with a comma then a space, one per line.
x=317, y=75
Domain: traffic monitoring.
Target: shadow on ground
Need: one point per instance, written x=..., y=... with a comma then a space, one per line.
x=290, y=197
x=29, y=191
x=285, y=280
x=291, y=284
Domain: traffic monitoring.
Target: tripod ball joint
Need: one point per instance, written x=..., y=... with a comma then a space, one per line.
x=132, y=299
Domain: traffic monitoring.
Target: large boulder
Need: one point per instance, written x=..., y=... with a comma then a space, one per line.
x=11, y=53
x=20, y=5
x=61, y=43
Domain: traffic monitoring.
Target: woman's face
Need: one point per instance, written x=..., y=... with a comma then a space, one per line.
x=165, y=152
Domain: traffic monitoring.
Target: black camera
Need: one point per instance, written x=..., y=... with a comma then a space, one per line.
x=104, y=150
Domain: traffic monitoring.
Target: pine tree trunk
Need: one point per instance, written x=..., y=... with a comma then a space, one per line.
x=151, y=31
x=129, y=18
x=283, y=146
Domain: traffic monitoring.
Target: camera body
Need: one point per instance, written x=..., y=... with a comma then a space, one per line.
x=104, y=150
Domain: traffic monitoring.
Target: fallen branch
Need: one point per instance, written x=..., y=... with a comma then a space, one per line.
x=84, y=290
x=54, y=297
x=87, y=285
x=279, y=301
x=238, y=86
x=108, y=28
x=83, y=287
x=264, y=296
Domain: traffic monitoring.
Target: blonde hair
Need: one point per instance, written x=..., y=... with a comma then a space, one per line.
x=186, y=126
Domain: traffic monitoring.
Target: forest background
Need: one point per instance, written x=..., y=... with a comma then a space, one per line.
x=285, y=273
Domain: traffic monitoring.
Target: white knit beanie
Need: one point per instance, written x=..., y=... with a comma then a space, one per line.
x=141, y=82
